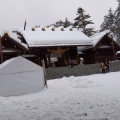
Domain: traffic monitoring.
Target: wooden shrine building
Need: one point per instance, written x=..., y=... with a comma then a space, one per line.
x=56, y=46
x=103, y=48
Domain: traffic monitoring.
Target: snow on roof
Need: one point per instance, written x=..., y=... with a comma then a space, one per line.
x=15, y=37
x=95, y=38
x=19, y=76
x=56, y=37
x=118, y=52
x=10, y=50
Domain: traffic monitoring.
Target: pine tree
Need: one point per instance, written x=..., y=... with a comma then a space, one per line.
x=109, y=22
x=67, y=23
x=59, y=23
x=81, y=21
x=90, y=31
x=117, y=22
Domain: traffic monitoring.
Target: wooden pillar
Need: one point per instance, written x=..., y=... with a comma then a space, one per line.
x=94, y=52
x=77, y=56
x=1, y=55
x=49, y=59
x=114, y=55
x=68, y=57
x=45, y=59
x=45, y=76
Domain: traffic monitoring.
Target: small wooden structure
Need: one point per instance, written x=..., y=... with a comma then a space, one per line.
x=11, y=48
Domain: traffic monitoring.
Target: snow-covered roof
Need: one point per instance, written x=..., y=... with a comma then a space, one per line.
x=97, y=37
x=94, y=40
x=48, y=37
x=20, y=76
x=15, y=37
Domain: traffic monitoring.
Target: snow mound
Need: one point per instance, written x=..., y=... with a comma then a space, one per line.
x=19, y=76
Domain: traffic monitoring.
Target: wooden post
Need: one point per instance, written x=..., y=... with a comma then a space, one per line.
x=114, y=56
x=49, y=59
x=25, y=25
x=1, y=55
x=45, y=77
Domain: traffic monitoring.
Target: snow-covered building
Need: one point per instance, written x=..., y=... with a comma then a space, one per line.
x=11, y=47
x=48, y=43
x=58, y=46
x=19, y=76
x=103, y=48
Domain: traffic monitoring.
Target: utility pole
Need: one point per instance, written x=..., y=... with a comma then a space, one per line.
x=1, y=55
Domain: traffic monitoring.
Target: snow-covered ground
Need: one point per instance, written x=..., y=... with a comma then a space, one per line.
x=94, y=97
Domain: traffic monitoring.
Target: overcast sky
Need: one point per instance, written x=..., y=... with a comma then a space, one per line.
x=44, y=12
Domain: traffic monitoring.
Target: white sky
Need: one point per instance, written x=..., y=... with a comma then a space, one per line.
x=44, y=12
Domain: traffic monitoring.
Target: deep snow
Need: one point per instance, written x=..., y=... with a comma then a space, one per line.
x=94, y=97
